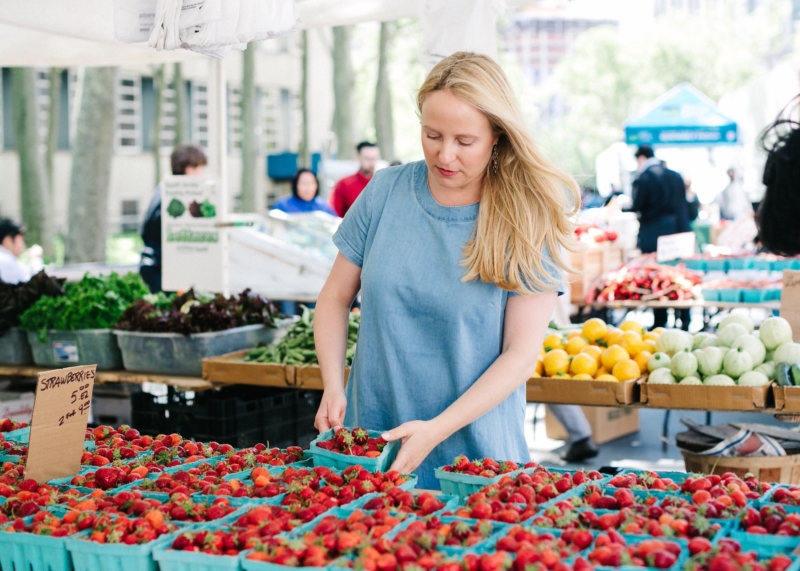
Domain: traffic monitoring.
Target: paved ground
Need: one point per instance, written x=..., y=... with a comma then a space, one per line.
x=639, y=450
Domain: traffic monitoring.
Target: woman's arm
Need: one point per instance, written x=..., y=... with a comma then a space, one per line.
x=330, y=337
x=525, y=325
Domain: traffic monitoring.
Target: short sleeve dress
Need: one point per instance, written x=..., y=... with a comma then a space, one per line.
x=425, y=335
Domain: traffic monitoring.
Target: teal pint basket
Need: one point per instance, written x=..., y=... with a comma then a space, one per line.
x=716, y=265
x=20, y=436
x=754, y=295
x=730, y=295
x=170, y=560
x=29, y=552
x=463, y=485
x=710, y=294
x=338, y=461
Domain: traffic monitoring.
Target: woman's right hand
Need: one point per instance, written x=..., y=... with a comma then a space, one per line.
x=331, y=410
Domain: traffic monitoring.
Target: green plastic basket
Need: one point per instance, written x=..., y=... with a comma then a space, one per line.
x=91, y=556
x=338, y=461
x=29, y=552
x=20, y=436
x=463, y=485
x=170, y=560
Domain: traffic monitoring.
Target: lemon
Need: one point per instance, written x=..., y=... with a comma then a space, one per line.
x=631, y=342
x=658, y=330
x=594, y=351
x=613, y=337
x=601, y=371
x=626, y=370
x=556, y=361
x=561, y=376
x=539, y=367
x=575, y=345
x=583, y=363
x=607, y=377
x=582, y=377
x=649, y=345
x=612, y=356
x=630, y=325
x=572, y=334
x=650, y=336
x=553, y=342
x=641, y=359
x=594, y=330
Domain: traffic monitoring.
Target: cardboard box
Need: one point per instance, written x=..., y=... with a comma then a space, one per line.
x=592, y=262
x=608, y=423
x=16, y=406
x=230, y=369
x=787, y=399
x=708, y=398
x=779, y=469
x=595, y=393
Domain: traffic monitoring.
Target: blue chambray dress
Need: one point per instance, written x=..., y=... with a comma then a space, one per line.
x=425, y=335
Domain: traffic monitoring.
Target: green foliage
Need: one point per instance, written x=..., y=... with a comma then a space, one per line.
x=91, y=303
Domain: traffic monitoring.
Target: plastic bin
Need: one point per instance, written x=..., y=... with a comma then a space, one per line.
x=170, y=560
x=716, y=265
x=91, y=556
x=307, y=406
x=730, y=295
x=754, y=295
x=710, y=294
x=30, y=552
x=176, y=354
x=762, y=265
x=73, y=348
x=466, y=484
x=740, y=263
x=782, y=264
x=698, y=265
x=14, y=348
x=339, y=461
x=773, y=294
x=21, y=436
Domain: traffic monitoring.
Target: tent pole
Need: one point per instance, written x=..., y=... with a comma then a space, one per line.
x=218, y=151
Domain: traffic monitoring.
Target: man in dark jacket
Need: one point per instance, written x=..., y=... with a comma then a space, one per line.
x=186, y=160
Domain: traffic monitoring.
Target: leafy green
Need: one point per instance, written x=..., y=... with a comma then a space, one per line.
x=15, y=299
x=91, y=303
x=207, y=209
x=176, y=208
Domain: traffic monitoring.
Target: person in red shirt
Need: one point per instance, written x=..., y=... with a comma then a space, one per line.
x=347, y=190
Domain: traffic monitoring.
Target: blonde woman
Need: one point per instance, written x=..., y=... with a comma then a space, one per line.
x=458, y=261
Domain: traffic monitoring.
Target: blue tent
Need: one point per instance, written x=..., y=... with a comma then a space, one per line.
x=682, y=116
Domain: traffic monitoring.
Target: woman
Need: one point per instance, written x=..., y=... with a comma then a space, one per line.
x=457, y=286
x=305, y=195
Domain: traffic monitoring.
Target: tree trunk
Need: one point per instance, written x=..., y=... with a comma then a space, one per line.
x=343, y=86
x=249, y=144
x=52, y=126
x=159, y=78
x=384, y=119
x=181, y=106
x=304, y=152
x=91, y=168
x=34, y=187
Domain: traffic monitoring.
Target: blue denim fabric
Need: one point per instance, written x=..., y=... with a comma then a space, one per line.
x=425, y=335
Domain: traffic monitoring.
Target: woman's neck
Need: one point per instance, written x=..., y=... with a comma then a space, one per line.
x=459, y=196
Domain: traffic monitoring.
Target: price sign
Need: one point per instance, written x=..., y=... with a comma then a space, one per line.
x=790, y=301
x=675, y=247
x=60, y=415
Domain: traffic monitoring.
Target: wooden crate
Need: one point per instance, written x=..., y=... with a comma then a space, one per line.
x=230, y=369
x=778, y=469
x=592, y=262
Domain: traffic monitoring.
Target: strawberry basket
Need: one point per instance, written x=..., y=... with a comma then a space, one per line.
x=460, y=484
x=173, y=560
x=20, y=436
x=770, y=541
x=340, y=461
x=31, y=552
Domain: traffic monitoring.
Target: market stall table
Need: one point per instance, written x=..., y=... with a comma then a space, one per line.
x=103, y=377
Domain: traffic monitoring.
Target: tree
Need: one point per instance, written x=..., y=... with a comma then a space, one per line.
x=304, y=152
x=384, y=118
x=34, y=181
x=343, y=85
x=52, y=123
x=91, y=168
x=181, y=106
x=249, y=147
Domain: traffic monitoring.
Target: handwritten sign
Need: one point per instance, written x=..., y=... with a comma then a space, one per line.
x=60, y=415
x=675, y=247
x=790, y=301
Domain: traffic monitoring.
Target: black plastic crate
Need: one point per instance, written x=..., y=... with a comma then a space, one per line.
x=149, y=413
x=307, y=406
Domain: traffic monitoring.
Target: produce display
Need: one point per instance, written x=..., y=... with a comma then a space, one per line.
x=16, y=299
x=528, y=518
x=196, y=312
x=297, y=347
x=737, y=354
x=591, y=234
x=91, y=303
x=646, y=281
x=597, y=351
x=357, y=442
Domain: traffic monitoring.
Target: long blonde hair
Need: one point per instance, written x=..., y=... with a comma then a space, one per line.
x=525, y=206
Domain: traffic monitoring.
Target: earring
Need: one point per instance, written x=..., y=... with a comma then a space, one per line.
x=494, y=159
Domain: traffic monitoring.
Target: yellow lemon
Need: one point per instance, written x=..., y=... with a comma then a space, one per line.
x=572, y=334
x=556, y=361
x=594, y=351
x=594, y=330
x=575, y=345
x=630, y=325
x=631, y=342
x=650, y=336
x=561, y=376
x=649, y=345
x=582, y=377
x=539, y=367
x=626, y=370
x=583, y=363
x=612, y=355
x=553, y=342
x=601, y=371
x=613, y=337
x=607, y=377
x=641, y=359
x=658, y=330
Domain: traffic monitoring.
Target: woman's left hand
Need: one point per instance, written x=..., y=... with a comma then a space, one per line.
x=419, y=438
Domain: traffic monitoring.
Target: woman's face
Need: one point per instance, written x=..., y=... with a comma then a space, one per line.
x=307, y=186
x=457, y=140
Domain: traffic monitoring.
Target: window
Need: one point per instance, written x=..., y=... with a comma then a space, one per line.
x=268, y=119
x=169, y=119
x=3, y=143
x=199, y=114
x=128, y=122
x=130, y=216
x=234, y=118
